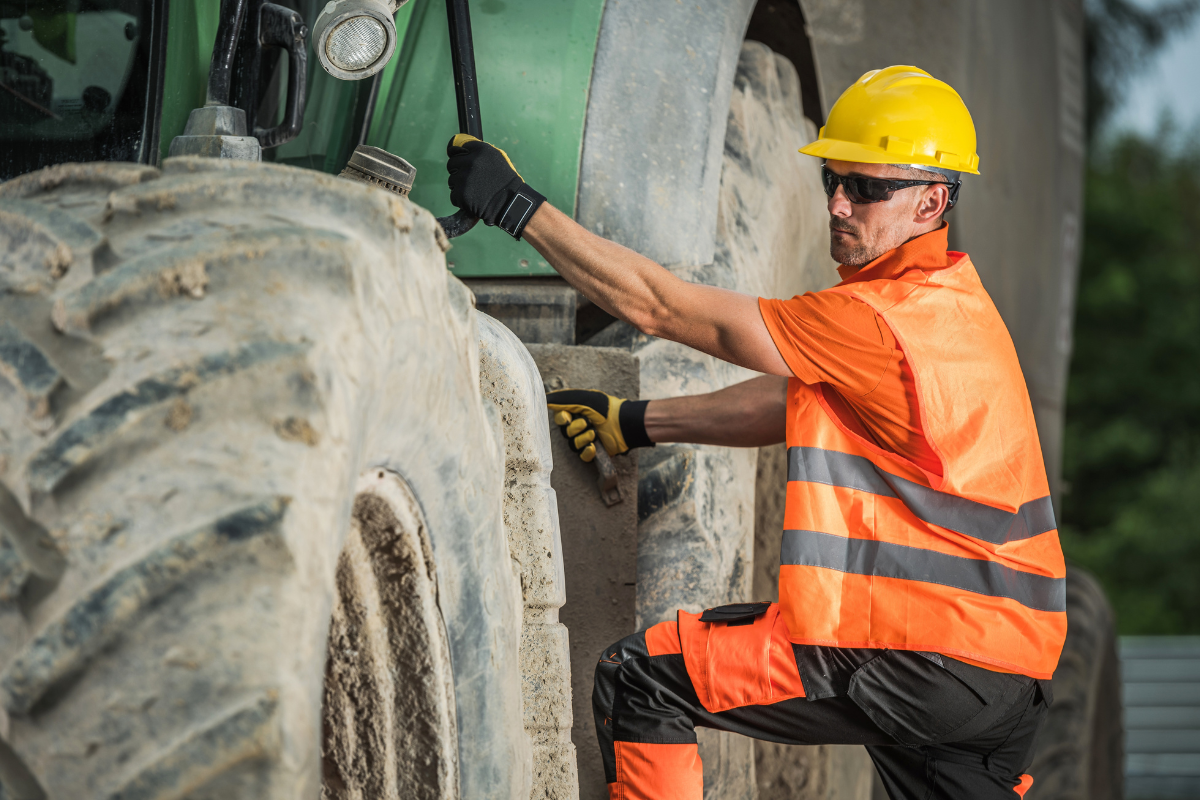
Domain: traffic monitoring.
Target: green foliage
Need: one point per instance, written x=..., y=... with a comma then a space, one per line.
x=1132, y=439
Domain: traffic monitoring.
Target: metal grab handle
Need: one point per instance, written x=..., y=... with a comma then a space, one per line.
x=458, y=223
x=220, y=75
x=466, y=90
x=606, y=480
x=282, y=27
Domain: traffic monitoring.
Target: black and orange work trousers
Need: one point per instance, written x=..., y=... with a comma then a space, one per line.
x=935, y=728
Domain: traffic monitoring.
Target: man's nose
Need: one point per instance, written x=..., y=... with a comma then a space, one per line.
x=839, y=205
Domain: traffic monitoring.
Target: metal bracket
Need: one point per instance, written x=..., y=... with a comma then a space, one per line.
x=607, y=483
x=216, y=132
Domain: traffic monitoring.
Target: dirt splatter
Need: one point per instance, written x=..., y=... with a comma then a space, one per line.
x=297, y=429
x=119, y=204
x=179, y=416
x=178, y=656
x=401, y=218
x=58, y=261
x=443, y=241
x=188, y=278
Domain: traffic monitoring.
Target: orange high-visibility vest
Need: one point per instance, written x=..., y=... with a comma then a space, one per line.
x=876, y=551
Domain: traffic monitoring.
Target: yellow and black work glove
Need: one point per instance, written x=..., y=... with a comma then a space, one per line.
x=586, y=415
x=484, y=182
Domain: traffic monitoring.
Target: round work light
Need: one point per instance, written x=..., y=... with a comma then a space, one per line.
x=356, y=43
x=354, y=39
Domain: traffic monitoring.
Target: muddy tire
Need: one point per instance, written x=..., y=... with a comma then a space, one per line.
x=241, y=430
x=1081, y=746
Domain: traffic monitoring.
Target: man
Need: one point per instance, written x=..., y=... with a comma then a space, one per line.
x=921, y=594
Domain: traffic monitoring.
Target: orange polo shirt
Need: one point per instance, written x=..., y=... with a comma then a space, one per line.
x=828, y=337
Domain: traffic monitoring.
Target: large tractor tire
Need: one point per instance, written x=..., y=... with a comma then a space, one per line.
x=1080, y=752
x=252, y=539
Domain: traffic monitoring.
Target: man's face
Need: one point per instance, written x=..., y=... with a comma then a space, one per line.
x=860, y=233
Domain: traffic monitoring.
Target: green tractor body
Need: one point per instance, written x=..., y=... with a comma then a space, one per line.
x=102, y=82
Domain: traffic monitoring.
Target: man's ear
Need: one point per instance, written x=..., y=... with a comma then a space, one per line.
x=934, y=202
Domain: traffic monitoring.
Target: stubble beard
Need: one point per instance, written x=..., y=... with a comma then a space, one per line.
x=862, y=248
x=853, y=252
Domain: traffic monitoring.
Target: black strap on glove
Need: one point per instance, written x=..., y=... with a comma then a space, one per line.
x=484, y=182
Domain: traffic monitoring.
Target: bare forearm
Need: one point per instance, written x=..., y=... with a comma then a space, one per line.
x=631, y=287
x=748, y=414
x=624, y=283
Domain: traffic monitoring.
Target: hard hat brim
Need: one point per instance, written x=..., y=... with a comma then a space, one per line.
x=839, y=150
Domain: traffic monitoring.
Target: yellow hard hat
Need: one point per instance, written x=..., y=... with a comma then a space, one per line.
x=899, y=115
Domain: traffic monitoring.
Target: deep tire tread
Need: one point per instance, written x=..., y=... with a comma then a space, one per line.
x=64, y=644
x=242, y=733
x=154, y=278
x=85, y=438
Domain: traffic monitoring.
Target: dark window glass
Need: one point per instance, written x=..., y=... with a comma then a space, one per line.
x=80, y=80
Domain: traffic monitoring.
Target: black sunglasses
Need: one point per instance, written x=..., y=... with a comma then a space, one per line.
x=861, y=189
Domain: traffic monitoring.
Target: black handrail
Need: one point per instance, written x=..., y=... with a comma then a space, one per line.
x=220, y=74
x=466, y=89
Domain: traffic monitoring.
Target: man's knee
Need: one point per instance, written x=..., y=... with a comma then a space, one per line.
x=627, y=662
x=658, y=640
x=632, y=646
x=604, y=686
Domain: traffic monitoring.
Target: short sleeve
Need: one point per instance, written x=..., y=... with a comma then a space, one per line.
x=829, y=337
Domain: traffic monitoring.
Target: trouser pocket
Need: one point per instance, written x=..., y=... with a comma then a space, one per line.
x=913, y=699
x=744, y=660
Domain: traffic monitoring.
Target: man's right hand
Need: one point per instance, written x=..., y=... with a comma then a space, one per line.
x=484, y=182
x=585, y=415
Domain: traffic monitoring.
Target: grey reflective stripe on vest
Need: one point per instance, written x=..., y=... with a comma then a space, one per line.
x=887, y=560
x=991, y=524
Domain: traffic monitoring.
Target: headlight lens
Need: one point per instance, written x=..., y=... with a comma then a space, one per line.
x=355, y=39
x=356, y=43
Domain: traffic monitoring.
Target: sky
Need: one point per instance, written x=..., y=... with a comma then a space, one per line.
x=1172, y=80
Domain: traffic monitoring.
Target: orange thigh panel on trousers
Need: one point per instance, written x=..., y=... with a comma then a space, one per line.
x=657, y=772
